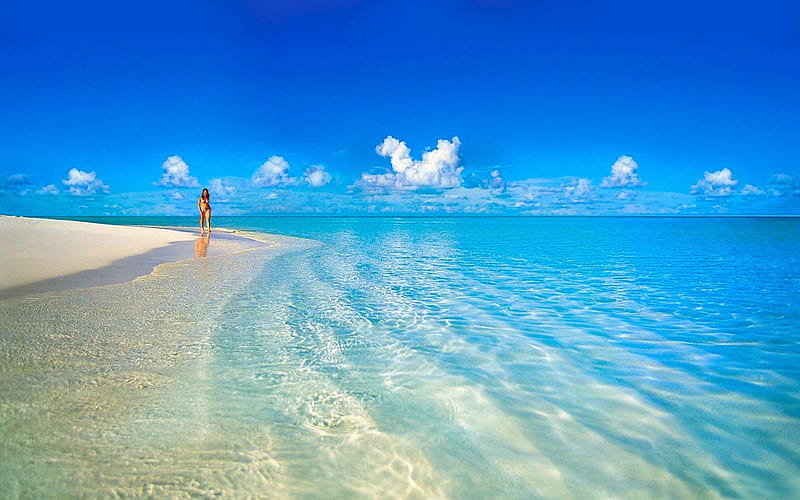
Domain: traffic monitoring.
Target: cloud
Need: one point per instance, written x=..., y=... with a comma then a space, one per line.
x=495, y=182
x=560, y=195
x=580, y=190
x=17, y=184
x=532, y=191
x=222, y=189
x=48, y=189
x=316, y=176
x=717, y=183
x=751, y=190
x=273, y=173
x=623, y=174
x=84, y=183
x=783, y=185
x=398, y=151
x=16, y=180
x=781, y=179
x=438, y=168
x=722, y=177
x=176, y=174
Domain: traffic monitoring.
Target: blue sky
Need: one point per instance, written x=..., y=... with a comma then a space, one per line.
x=360, y=106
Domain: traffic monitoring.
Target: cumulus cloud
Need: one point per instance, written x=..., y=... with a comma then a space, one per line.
x=717, y=183
x=84, y=183
x=273, y=173
x=623, y=174
x=439, y=168
x=316, y=176
x=398, y=151
x=176, y=174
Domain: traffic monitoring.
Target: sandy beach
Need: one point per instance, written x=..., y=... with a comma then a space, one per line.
x=42, y=255
x=35, y=250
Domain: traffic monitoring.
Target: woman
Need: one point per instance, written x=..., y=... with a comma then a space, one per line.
x=205, y=211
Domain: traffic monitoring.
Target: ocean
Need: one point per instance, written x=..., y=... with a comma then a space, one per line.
x=420, y=357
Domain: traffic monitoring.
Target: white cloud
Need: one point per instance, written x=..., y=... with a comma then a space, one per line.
x=722, y=177
x=17, y=184
x=532, y=191
x=220, y=188
x=623, y=174
x=16, y=180
x=561, y=195
x=495, y=182
x=781, y=179
x=48, y=189
x=273, y=173
x=438, y=168
x=783, y=185
x=751, y=190
x=579, y=190
x=176, y=173
x=717, y=183
x=316, y=176
x=398, y=151
x=84, y=183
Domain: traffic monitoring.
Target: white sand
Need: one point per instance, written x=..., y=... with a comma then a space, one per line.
x=33, y=250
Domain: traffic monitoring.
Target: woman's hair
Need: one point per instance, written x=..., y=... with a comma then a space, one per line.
x=205, y=193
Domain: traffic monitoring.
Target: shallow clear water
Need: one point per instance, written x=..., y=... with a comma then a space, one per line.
x=422, y=357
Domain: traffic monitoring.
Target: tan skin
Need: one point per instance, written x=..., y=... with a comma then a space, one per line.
x=204, y=205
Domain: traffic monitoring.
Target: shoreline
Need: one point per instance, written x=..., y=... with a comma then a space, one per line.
x=49, y=255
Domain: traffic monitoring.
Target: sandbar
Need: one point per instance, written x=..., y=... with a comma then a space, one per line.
x=41, y=255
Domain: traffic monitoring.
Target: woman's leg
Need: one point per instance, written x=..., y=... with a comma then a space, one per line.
x=208, y=219
x=202, y=218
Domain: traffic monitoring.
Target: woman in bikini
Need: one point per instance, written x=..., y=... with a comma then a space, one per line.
x=205, y=211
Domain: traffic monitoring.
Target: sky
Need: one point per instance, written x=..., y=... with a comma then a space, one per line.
x=507, y=107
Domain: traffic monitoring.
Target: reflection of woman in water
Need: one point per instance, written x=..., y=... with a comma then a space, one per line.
x=205, y=211
x=201, y=245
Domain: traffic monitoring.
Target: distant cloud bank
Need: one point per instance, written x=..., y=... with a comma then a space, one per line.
x=434, y=182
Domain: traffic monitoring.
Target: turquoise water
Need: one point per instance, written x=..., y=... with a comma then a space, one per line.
x=442, y=357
